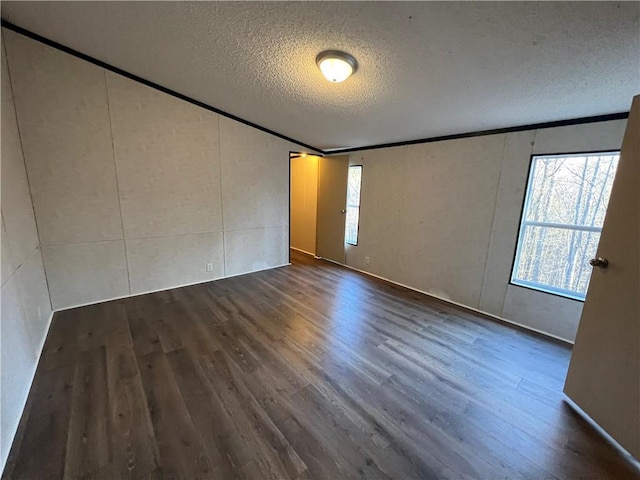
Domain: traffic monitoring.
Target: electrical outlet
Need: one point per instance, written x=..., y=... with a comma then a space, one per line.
x=209, y=267
x=367, y=260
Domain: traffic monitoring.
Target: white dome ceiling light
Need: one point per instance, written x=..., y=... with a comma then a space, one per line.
x=336, y=66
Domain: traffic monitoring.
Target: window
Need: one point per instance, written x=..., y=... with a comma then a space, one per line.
x=353, y=204
x=564, y=208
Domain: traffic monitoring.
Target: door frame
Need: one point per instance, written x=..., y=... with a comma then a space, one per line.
x=296, y=152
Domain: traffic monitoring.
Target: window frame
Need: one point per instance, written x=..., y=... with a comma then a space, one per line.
x=558, y=292
x=347, y=206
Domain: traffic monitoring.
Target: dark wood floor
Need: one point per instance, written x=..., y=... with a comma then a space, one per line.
x=308, y=371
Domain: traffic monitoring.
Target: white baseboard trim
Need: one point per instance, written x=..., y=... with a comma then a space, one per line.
x=466, y=307
x=3, y=461
x=303, y=251
x=44, y=339
x=634, y=461
x=167, y=288
x=252, y=271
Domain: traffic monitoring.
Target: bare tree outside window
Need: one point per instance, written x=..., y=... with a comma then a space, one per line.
x=564, y=210
x=353, y=204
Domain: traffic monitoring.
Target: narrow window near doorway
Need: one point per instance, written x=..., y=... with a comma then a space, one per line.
x=565, y=204
x=353, y=205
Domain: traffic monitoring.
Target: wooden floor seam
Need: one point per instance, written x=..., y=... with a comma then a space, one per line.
x=308, y=371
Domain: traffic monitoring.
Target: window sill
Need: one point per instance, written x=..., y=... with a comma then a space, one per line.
x=548, y=291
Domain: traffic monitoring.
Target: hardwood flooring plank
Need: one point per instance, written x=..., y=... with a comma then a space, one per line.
x=415, y=424
x=181, y=453
x=133, y=444
x=140, y=314
x=310, y=371
x=41, y=453
x=229, y=452
x=351, y=459
x=272, y=452
x=88, y=442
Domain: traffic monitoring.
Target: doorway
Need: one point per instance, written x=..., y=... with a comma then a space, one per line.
x=303, y=202
x=318, y=205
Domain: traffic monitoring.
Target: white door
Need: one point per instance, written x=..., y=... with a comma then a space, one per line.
x=604, y=374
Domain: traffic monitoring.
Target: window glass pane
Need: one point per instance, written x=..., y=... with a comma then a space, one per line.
x=351, y=232
x=353, y=204
x=353, y=189
x=564, y=211
x=571, y=189
x=557, y=258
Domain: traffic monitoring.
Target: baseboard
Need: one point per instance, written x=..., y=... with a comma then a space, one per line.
x=466, y=307
x=53, y=312
x=634, y=461
x=3, y=461
x=44, y=339
x=252, y=271
x=303, y=251
x=167, y=288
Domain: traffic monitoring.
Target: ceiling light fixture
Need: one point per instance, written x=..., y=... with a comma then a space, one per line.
x=336, y=66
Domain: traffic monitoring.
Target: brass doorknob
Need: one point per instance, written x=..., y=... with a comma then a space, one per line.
x=600, y=262
x=343, y=211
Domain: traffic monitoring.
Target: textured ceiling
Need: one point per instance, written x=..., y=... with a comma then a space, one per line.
x=425, y=68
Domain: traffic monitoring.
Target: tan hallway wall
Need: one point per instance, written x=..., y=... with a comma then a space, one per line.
x=304, y=203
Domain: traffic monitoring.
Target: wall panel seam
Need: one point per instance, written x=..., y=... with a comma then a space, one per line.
x=506, y=289
x=256, y=228
x=493, y=225
x=26, y=173
x=144, y=237
x=146, y=292
x=337, y=151
x=224, y=249
x=115, y=170
x=20, y=265
x=13, y=269
x=148, y=83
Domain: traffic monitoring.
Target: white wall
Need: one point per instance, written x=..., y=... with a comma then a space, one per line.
x=304, y=203
x=443, y=218
x=25, y=312
x=135, y=190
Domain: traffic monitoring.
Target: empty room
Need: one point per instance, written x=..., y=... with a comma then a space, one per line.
x=320, y=240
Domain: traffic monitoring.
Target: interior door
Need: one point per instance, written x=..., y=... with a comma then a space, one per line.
x=333, y=174
x=604, y=374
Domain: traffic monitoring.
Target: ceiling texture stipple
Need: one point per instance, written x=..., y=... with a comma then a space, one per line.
x=425, y=69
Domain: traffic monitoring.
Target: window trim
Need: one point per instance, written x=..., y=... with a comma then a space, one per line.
x=566, y=294
x=354, y=206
